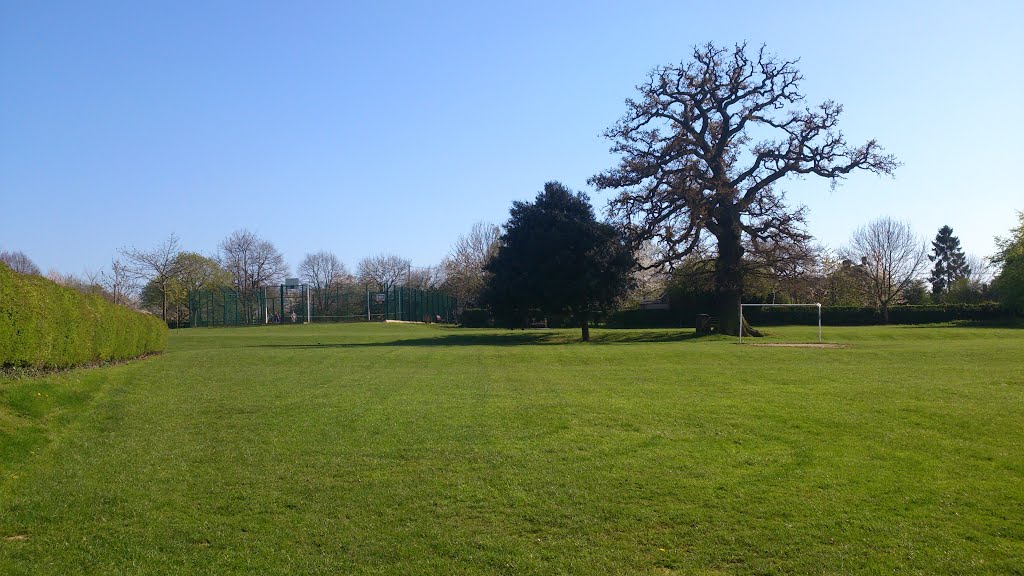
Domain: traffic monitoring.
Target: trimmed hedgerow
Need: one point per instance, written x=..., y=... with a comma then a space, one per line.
x=830, y=315
x=45, y=325
x=866, y=316
x=649, y=319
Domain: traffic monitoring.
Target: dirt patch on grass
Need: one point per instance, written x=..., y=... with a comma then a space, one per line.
x=16, y=538
x=798, y=345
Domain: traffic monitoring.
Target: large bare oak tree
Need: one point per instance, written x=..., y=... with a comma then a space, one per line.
x=703, y=151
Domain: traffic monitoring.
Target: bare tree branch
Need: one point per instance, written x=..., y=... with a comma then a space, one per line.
x=384, y=270
x=888, y=257
x=120, y=282
x=252, y=261
x=322, y=271
x=689, y=166
x=158, y=266
x=463, y=268
x=19, y=262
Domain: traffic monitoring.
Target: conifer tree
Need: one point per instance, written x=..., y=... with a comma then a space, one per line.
x=950, y=261
x=556, y=257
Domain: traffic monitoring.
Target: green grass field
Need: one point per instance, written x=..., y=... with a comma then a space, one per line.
x=406, y=449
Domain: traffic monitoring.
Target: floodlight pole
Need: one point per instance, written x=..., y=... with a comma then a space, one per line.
x=309, y=319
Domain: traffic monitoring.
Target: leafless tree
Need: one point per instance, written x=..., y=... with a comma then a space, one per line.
x=981, y=271
x=690, y=166
x=88, y=283
x=463, y=268
x=780, y=267
x=888, y=256
x=19, y=262
x=384, y=270
x=651, y=279
x=425, y=277
x=120, y=283
x=252, y=261
x=159, y=266
x=321, y=271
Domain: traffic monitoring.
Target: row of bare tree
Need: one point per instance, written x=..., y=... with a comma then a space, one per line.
x=704, y=150
x=160, y=278
x=882, y=265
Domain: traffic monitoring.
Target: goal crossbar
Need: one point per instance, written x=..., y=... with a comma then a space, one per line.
x=818, y=304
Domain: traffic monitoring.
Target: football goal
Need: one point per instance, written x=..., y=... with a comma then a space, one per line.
x=742, y=306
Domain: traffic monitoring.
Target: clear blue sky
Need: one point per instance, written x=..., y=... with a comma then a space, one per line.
x=374, y=127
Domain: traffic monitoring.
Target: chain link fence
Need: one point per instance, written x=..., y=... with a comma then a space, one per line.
x=301, y=304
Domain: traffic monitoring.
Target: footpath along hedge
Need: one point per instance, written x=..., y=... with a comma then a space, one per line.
x=45, y=325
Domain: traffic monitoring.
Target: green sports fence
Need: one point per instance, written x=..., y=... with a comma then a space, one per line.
x=302, y=304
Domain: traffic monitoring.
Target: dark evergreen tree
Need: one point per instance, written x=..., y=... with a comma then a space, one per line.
x=950, y=261
x=557, y=258
x=916, y=292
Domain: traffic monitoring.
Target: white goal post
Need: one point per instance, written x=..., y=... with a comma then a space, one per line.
x=742, y=306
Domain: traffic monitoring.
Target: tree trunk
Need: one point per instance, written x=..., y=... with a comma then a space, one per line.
x=729, y=278
x=585, y=326
x=885, y=313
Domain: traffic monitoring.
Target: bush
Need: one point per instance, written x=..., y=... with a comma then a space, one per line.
x=45, y=325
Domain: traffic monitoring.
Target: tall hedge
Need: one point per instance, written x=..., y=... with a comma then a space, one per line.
x=649, y=319
x=830, y=315
x=45, y=325
x=866, y=316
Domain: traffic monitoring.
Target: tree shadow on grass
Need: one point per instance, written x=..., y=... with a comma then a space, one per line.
x=512, y=338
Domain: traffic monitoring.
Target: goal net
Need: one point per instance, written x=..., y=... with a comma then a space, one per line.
x=764, y=316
